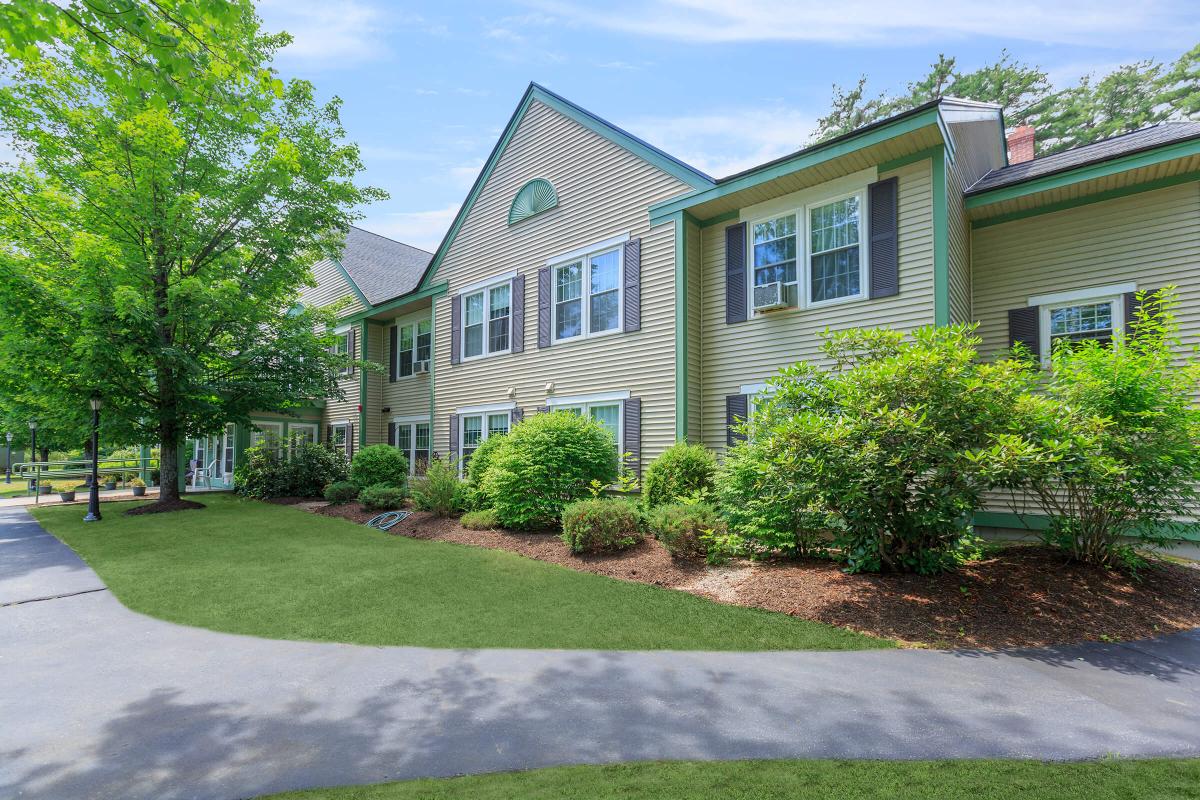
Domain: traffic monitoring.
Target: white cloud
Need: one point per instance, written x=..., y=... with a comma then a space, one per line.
x=463, y=175
x=1084, y=22
x=423, y=229
x=335, y=33
x=730, y=140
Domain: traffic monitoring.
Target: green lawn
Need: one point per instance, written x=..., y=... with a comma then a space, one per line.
x=803, y=780
x=248, y=567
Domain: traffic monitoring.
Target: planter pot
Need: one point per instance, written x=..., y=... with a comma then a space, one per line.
x=111, y=485
x=139, y=491
x=67, y=497
x=45, y=489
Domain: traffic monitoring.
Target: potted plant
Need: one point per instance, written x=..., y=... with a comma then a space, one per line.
x=139, y=487
x=45, y=487
x=66, y=491
x=110, y=481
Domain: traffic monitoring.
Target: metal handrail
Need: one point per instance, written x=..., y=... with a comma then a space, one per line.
x=34, y=472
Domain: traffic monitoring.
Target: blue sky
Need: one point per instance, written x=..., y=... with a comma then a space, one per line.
x=429, y=86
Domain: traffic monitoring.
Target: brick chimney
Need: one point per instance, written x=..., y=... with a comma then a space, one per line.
x=1020, y=144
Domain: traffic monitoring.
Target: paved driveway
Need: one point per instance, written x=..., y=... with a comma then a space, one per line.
x=99, y=702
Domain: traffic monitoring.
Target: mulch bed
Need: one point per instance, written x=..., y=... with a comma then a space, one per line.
x=163, y=507
x=1021, y=596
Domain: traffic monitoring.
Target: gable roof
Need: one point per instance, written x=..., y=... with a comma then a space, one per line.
x=1149, y=138
x=648, y=152
x=381, y=268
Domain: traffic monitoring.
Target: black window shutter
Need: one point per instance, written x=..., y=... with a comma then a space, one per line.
x=632, y=434
x=392, y=431
x=328, y=434
x=454, y=435
x=736, y=411
x=515, y=416
x=1024, y=327
x=543, y=409
x=352, y=348
x=456, y=329
x=882, y=198
x=350, y=440
x=544, y=300
x=393, y=356
x=735, y=273
x=1133, y=303
x=633, y=286
x=518, y=314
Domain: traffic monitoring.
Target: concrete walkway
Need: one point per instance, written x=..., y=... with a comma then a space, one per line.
x=99, y=702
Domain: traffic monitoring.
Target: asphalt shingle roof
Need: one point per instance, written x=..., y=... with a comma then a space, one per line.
x=1126, y=144
x=381, y=267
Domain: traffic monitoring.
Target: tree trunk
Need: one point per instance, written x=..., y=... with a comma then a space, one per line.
x=168, y=468
x=45, y=451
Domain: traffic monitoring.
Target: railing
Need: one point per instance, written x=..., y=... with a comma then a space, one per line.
x=36, y=473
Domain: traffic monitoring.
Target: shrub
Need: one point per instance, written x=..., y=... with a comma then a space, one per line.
x=597, y=526
x=382, y=497
x=137, y=483
x=475, y=496
x=1111, y=448
x=483, y=520
x=264, y=473
x=879, y=451
x=379, y=465
x=682, y=470
x=341, y=491
x=685, y=528
x=546, y=463
x=439, y=491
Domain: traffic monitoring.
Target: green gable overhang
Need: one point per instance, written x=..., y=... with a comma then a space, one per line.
x=647, y=152
x=1155, y=168
x=889, y=140
x=396, y=307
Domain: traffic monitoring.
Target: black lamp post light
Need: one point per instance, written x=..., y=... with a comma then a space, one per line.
x=33, y=452
x=93, y=514
x=8, y=457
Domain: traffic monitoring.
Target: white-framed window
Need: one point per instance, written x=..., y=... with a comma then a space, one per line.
x=815, y=248
x=301, y=433
x=414, y=343
x=487, y=319
x=268, y=434
x=1097, y=313
x=341, y=347
x=587, y=293
x=412, y=439
x=476, y=428
x=757, y=394
x=339, y=433
x=608, y=409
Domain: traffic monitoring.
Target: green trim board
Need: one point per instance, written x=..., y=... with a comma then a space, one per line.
x=1076, y=202
x=350, y=281
x=403, y=300
x=941, y=239
x=667, y=163
x=1087, y=172
x=719, y=218
x=362, y=386
x=911, y=158
x=1040, y=522
x=433, y=370
x=818, y=154
x=679, y=220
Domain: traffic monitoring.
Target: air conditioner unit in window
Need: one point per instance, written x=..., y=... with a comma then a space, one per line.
x=420, y=366
x=770, y=296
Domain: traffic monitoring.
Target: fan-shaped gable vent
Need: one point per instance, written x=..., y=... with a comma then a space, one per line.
x=534, y=198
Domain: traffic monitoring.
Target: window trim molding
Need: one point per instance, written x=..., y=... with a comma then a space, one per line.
x=486, y=408
x=409, y=419
x=1112, y=293
x=806, y=203
x=584, y=399
x=485, y=288
x=594, y=247
x=585, y=296
x=415, y=324
x=1077, y=295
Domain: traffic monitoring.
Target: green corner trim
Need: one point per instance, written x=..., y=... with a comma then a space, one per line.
x=941, y=239
x=671, y=166
x=1148, y=158
x=433, y=371
x=819, y=154
x=679, y=219
x=362, y=386
x=350, y=281
x=1099, y=197
x=1040, y=522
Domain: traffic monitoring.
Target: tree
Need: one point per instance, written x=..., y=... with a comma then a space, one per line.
x=1131, y=97
x=172, y=196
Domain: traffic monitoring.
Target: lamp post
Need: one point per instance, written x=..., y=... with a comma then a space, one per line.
x=33, y=452
x=8, y=457
x=93, y=514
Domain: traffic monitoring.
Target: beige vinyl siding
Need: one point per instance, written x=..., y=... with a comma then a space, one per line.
x=959, y=246
x=331, y=287
x=346, y=409
x=1152, y=238
x=755, y=350
x=604, y=191
x=695, y=301
x=408, y=396
x=375, y=426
